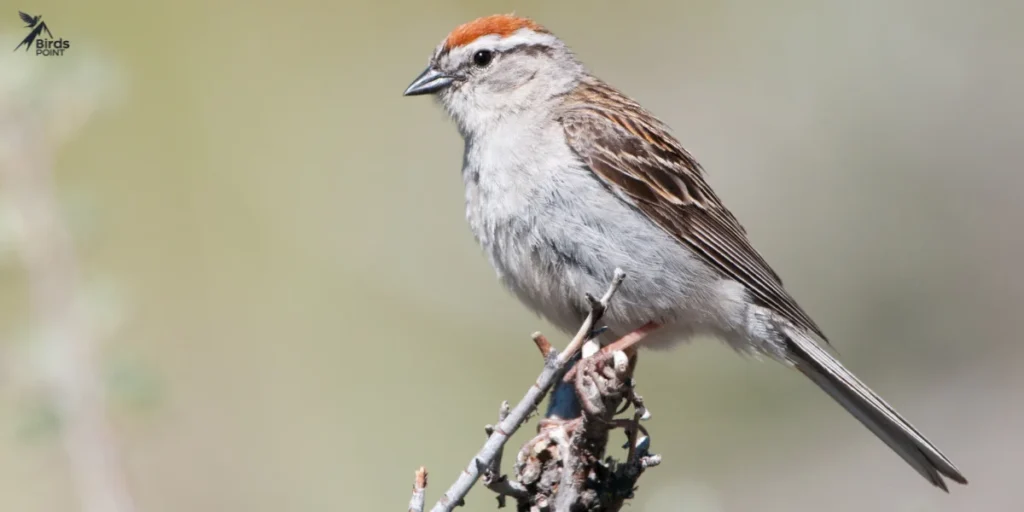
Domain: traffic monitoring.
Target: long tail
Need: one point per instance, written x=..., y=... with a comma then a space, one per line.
x=870, y=409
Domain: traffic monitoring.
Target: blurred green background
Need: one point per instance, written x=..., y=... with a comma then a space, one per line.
x=290, y=313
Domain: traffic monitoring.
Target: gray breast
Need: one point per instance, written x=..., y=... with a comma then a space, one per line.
x=553, y=232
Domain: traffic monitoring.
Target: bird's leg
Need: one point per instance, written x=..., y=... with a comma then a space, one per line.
x=628, y=342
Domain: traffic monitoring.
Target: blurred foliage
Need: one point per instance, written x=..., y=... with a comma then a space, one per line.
x=37, y=420
x=133, y=384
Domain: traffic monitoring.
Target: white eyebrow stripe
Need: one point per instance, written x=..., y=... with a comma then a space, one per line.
x=526, y=37
x=521, y=37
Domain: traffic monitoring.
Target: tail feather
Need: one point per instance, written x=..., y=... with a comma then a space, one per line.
x=818, y=365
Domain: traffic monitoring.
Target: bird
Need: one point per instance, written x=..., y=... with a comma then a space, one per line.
x=29, y=19
x=568, y=179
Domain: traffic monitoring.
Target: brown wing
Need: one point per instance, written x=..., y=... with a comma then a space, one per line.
x=633, y=154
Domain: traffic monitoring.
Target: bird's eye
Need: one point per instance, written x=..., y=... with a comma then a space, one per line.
x=482, y=58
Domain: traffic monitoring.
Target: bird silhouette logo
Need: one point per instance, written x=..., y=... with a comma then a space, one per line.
x=40, y=36
x=37, y=25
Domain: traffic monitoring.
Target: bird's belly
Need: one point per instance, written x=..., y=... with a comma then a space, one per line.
x=553, y=247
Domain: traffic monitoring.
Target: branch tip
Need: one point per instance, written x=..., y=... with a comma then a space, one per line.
x=542, y=344
x=419, y=494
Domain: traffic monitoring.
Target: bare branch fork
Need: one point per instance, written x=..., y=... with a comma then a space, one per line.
x=563, y=467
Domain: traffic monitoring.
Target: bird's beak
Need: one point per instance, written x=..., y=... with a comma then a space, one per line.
x=429, y=82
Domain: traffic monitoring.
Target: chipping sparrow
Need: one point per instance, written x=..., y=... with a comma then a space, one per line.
x=566, y=179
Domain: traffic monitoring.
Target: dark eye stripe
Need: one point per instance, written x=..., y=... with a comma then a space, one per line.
x=532, y=49
x=528, y=49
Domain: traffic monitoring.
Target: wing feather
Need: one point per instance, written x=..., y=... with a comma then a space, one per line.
x=633, y=154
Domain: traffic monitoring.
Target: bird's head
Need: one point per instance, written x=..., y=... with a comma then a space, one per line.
x=495, y=68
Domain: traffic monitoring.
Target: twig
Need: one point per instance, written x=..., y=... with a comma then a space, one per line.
x=502, y=486
x=554, y=367
x=597, y=308
x=492, y=476
x=569, y=486
x=495, y=465
x=639, y=413
x=542, y=344
x=419, y=491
